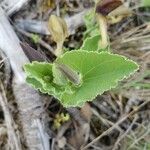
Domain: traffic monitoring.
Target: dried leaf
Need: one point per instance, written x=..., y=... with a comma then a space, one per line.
x=58, y=28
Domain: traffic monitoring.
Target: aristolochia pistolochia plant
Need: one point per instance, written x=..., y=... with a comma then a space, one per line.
x=80, y=75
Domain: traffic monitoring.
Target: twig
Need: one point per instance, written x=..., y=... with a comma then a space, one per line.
x=116, y=124
x=131, y=34
x=40, y=41
x=75, y=113
x=7, y=68
x=124, y=134
x=29, y=101
x=135, y=38
x=1, y=61
x=14, y=139
x=12, y=6
x=106, y=121
x=9, y=41
x=41, y=27
x=140, y=138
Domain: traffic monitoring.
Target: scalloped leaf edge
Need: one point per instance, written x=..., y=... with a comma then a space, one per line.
x=111, y=87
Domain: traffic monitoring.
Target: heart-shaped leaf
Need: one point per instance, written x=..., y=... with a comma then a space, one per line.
x=100, y=72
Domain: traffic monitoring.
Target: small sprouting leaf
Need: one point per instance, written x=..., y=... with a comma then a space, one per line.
x=89, y=19
x=90, y=23
x=91, y=43
x=100, y=72
x=35, y=38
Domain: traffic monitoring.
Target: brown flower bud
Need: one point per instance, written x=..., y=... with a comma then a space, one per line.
x=104, y=7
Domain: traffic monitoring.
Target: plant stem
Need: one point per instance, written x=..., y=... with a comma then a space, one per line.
x=103, y=30
x=59, y=49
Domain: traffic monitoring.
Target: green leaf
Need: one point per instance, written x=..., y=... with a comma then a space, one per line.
x=59, y=78
x=91, y=43
x=46, y=78
x=89, y=19
x=100, y=72
x=90, y=23
x=35, y=38
x=146, y=3
x=40, y=76
x=36, y=84
x=40, y=71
